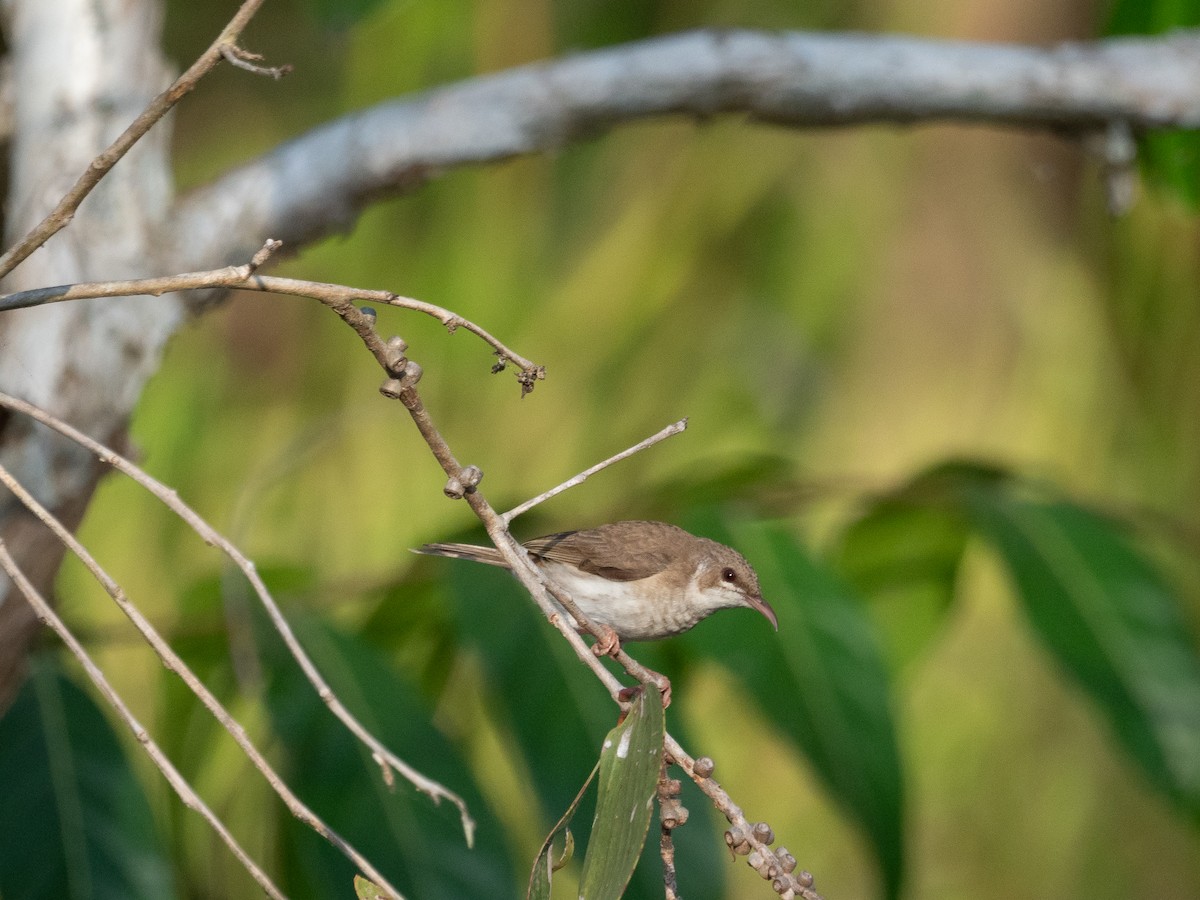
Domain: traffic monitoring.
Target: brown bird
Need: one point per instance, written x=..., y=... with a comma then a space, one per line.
x=642, y=580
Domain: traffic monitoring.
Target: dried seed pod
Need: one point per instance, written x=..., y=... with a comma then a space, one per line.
x=704, y=767
x=736, y=841
x=786, y=860
x=412, y=373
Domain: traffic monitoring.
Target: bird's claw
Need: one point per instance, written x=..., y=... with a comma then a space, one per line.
x=626, y=694
x=607, y=642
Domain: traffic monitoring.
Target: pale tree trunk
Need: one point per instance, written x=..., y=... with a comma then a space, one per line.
x=81, y=70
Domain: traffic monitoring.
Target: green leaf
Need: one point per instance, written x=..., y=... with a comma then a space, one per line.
x=821, y=681
x=1152, y=16
x=903, y=554
x=630, y=763
x=368, y=890
x=547, y=862
x=74, y=821
x=1113, y=624
x=555, y=708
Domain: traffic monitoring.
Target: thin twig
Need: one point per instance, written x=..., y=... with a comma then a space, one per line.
x=385, y=758
x=64, y=211
x=187, y=794
x=671, y=815
x=744, y=838
x=173, y=662
x=245, y=278
x=583, y=476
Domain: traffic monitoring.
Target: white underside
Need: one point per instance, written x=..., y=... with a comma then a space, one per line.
x=645, y=610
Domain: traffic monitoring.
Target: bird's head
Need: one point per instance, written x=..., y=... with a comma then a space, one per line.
x=726, y=580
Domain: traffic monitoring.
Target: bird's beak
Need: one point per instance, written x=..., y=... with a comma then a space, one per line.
x=758, y=603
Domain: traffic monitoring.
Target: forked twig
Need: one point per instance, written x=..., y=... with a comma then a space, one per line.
x=187, y=794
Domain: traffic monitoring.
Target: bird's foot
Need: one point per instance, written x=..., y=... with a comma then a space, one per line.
x=607, y=642
x=663, y=684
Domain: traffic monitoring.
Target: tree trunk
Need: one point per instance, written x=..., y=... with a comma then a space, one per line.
x=81, y=70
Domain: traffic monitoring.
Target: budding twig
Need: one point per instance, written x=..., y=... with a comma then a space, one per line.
x=745, y=839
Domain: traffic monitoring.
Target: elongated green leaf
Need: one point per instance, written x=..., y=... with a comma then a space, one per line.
x=74, y=822
x=821, y=681
x=1114, y=625
x=903, y=554
x=630, y=763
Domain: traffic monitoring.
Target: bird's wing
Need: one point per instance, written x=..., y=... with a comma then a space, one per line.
x=579, y=549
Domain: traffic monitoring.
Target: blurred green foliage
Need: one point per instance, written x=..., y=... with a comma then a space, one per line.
x=839, y=314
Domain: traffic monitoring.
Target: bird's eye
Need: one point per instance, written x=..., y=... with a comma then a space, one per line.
x=727, y=574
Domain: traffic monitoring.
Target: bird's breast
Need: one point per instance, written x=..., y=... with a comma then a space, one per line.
x=648, y=609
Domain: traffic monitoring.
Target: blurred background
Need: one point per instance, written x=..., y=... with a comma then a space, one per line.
x=834, y=311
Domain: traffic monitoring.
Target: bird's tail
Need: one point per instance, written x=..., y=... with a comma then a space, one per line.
x=488, y=555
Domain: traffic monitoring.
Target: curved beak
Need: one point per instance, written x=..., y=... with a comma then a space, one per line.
x=758, y=603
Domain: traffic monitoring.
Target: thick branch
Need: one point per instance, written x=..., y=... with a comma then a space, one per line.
x=319, y=182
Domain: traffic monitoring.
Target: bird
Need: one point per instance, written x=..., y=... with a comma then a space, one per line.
x=636, y=580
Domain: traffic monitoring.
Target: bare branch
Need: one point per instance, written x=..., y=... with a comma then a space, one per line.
x=583, y=476
x=385, y=758
x=793, y=79
x=173, y=662
x=190, y=798
x=64, y=211
x=244, y=278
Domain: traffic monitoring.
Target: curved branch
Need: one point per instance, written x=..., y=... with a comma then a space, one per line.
x=318, y=183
